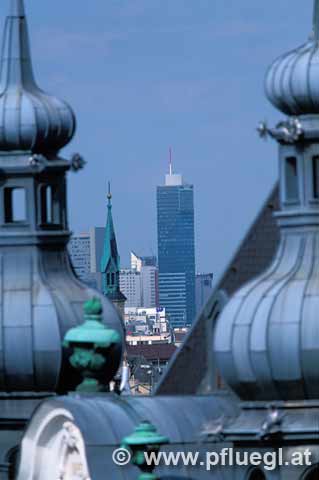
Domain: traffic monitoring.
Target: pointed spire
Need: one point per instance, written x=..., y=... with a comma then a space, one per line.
x=316, y=20
x=17, y=8
x=30, y=119
x=16, y=65
x=110, y=262
x=110, y=258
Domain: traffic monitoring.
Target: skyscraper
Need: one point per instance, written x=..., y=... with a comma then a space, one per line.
x=176, y=249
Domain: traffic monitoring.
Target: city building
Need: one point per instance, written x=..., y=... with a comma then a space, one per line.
x=146, y=261
x=110, y=262
x=149, y=284
x=147, y=326
x=86, y=251
x=80, y=254
x=79, y=249
x=203, y=289
x=140, y=283
x=176, y=249
x=147, y=267
x=131, y=286
x=97, y=236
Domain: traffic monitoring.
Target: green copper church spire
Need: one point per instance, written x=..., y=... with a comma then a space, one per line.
x=110, y=263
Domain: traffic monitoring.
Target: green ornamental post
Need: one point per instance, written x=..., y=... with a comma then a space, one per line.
x=144, y=439
x=91, y=343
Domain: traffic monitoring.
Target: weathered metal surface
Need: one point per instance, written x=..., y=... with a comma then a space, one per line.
x=105, y=420
x=40, y=298
x=267, y=337
x=30, y=119
x=292, y=80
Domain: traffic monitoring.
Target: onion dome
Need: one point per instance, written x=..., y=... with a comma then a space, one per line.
x=266, y=340
x=267, y=337
x=30, y=119
x=292, y=81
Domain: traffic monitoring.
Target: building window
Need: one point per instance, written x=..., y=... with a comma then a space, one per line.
x=257, y=474
x=50, y=205
x=291, y=179
x=315, y=177
x=15, y=205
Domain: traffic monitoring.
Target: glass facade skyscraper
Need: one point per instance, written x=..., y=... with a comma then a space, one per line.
x=176, y=249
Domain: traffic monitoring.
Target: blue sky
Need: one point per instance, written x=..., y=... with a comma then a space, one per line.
x=143, y=75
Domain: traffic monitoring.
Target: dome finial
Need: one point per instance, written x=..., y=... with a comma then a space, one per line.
x=17, y=8
x=30, y=119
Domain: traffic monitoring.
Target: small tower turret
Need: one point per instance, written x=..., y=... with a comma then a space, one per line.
x=40, y=298
x=267, y=337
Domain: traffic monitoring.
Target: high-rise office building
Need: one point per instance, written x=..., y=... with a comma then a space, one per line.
x=176, y=249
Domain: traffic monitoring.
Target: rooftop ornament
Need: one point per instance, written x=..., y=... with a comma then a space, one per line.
x=144, y=439
x=92, y=343
x=289, y=131
x=30, y=118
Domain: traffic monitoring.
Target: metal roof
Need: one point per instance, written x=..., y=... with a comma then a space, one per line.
x=105, y=420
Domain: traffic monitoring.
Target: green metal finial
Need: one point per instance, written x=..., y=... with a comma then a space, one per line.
x=316, y=20
x=91, y=343
x=93, y=307
x=144, y=439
